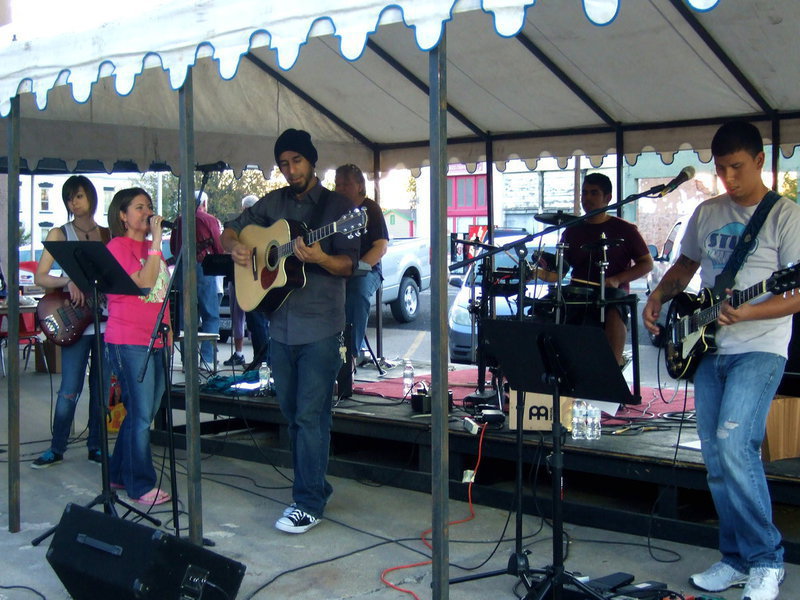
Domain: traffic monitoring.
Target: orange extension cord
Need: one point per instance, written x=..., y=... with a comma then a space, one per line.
x=428, y=531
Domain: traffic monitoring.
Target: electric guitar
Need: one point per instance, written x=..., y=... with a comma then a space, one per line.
x=62, y=322
x=274, y=271
x=691, y=319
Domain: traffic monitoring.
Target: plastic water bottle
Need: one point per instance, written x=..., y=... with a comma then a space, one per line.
x=579, y=414
x=593, y=426
x=264, y=374
x=408, y=379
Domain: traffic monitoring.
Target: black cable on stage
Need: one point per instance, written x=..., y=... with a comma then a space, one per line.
x=24, y=587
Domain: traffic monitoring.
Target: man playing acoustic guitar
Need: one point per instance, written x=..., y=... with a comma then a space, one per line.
x=305, y=325
x=735, y=385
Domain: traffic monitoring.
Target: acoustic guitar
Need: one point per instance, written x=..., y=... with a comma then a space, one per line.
x=691, y=319
x=62, y=322
x=274, y=271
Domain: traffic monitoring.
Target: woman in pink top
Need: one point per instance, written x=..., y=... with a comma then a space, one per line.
x=130, y=324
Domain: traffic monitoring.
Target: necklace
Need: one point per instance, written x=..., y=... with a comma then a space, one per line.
x=85, y=232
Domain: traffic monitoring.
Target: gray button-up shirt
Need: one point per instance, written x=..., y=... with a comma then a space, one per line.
x=315, y=311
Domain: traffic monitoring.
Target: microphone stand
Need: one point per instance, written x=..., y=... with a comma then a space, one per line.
x=162, y=329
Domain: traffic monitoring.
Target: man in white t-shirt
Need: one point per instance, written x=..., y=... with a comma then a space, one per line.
x=735, y=385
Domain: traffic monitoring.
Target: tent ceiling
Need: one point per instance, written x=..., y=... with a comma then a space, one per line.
x=553, y=83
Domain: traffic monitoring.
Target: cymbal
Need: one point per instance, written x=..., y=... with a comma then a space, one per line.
x=603, y=243
x=555, y=218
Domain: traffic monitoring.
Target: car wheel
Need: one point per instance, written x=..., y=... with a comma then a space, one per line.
x=406, y=307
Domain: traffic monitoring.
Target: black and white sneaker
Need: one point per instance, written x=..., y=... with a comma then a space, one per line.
x=298, y=521
x=236, y=360
x=289, y=509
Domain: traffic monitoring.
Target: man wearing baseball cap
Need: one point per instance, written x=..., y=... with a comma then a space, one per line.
x=306, y=329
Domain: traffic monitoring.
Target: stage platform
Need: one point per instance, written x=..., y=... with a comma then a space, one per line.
x=639, y=481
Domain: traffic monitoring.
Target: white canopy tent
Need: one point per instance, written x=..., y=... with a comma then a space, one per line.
x=179, y=82
x=532, y=79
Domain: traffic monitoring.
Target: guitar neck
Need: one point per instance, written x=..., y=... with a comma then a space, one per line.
x=311, y=237
x=737, y=298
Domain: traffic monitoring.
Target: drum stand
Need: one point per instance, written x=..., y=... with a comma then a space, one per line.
x=560, y=247
x=603, y=264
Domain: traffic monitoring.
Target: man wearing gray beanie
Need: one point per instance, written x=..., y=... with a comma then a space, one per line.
x=306, y=326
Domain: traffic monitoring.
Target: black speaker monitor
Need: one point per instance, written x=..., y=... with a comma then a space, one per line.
x=96, y=555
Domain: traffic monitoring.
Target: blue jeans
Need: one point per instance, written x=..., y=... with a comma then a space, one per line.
x=207, y=309
x=131, y=463
x=733, y=393
x=258, y=325
x=304, y=377
x=359, y=291
x=74, y=359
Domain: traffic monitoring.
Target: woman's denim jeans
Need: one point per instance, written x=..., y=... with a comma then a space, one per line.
x=74, y=359
x=131, y=462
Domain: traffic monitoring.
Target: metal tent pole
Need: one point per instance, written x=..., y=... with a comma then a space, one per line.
x=194, y=493
x=437, y=69
x=12, y=280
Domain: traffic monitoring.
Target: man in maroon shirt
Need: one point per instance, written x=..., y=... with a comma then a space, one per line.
x=207, y=231
x=627, y=256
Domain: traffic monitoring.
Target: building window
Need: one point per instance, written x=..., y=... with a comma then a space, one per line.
x=391, y=220
x=466, y=202
x=466, y=194
x=108, y=194
x=44, y=197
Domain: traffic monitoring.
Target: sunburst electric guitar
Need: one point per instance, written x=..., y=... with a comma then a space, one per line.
x=691, y=319
x=274, y=271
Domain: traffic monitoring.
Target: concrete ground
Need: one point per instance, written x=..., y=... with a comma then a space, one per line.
x=367, y=528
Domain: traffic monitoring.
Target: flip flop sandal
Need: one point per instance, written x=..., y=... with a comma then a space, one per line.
x=153, y=498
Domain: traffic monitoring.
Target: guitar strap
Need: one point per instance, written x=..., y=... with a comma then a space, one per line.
x=315, y=219
x=726, y=278
x=315, y=222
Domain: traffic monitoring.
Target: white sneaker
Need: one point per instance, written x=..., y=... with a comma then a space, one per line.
x=763, y=583
x=298, y=521
x=718, y=577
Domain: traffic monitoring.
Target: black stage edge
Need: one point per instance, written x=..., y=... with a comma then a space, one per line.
x=615, y=483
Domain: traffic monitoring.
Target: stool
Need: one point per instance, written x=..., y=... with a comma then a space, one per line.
x=203, y=337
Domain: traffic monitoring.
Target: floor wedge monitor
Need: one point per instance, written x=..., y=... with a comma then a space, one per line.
x=96, y=555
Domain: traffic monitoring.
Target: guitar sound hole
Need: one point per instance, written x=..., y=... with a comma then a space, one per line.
x=272, y=256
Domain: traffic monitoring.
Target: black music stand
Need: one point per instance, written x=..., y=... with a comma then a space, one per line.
x=553, y=359
x=92, y=267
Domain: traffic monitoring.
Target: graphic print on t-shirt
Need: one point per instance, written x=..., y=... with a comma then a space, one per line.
x=719, y=244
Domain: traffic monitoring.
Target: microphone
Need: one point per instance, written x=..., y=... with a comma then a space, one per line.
x=164, y=224
x=217, y=166
x=685, y=175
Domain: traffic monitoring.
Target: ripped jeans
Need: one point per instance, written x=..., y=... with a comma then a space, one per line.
x=733, y=393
